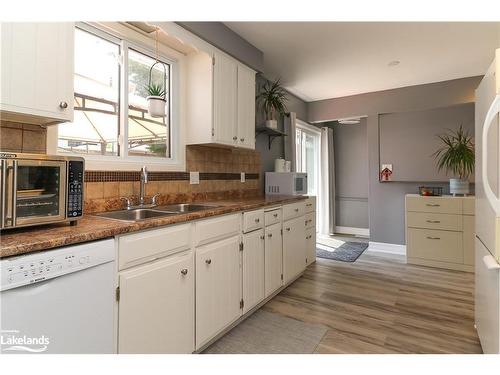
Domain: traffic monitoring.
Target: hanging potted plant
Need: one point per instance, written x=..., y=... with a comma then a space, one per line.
x=272, y=100
x=457, y=156
x=156, y=100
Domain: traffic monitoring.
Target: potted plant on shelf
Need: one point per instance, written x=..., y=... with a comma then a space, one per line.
x=272, y=100
x=156, y=100
x=456, y=156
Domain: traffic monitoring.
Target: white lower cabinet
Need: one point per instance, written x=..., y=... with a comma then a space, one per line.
x=294, y=248
x=156, y=306
x=310, y=245
x=218, y=287
x=253, y=269
x=273, y=259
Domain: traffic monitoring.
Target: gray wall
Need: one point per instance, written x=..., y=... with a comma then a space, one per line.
x=351, y=174
x=386, y=200
x=221, y=36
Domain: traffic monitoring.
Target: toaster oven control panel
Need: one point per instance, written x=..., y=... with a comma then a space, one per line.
x=75, y=189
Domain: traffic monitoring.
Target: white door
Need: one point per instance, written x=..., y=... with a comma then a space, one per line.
x=487, y=220
x=156, y=307
x=225, y=100
x=253, y=269
x=218, y=287
x=37, y=69
x=294, y=248
x=310, y=245
x=487, y=302
x=273, y=259
x=246, y=107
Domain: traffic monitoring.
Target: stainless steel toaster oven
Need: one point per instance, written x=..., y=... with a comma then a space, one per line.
x=40, y=189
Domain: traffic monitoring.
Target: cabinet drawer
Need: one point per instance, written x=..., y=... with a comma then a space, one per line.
x=310, y=220
x=293, y=210
x=434, y=221
x=436, y=245
x=210, y=230
x=311, y=204
x=469, y=206
x=253, y=220
x=151, y=244
x=434, y=205
x=272, y=217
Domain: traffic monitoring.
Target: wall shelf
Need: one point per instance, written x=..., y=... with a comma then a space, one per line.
x=272, y=134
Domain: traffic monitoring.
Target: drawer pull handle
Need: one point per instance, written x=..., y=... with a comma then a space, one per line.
x=288, y=229
x=257, y=220
x=309, y=204
x=270, y=235
x=433, y=205
x=433, y=221
x=296, y=210
x=275, y=215
x=262, y=237
x=184, y=271
x=208, y=261
x=433, y=238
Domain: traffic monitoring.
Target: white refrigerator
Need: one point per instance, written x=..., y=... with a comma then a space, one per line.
x=487, y=242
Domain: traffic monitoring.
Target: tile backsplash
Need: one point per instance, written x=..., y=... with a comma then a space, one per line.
x=15, y=137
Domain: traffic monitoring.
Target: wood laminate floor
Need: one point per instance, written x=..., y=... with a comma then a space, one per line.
x=380, y=304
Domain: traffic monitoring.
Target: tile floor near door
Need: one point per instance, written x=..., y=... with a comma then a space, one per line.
x=379, y=304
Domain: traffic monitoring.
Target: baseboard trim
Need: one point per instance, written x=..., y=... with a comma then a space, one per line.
x=353, y=230
x=390, y=248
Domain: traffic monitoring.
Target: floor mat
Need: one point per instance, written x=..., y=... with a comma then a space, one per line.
x=347, y=252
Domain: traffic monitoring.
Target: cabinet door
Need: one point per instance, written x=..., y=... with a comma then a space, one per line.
x=310, y=245
x=246, y=107
x=273, y=258
x=468, y=240
x=253, y=269
x=294, y=248
x=225, y=100
x=156, y=307
x=218, y=288
x=37, y=69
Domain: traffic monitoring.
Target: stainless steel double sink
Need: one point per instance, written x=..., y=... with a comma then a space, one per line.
x=138, y=214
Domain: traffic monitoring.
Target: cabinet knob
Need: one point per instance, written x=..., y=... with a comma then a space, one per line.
x=261, y=237
x=242, y=139
x=275, y=215
x=288, y=229
x=257, y=220
x=235, y=138
x=208, y=261
x=269, y=235
x=63, y=105
x=296, y=210
x=184, y=271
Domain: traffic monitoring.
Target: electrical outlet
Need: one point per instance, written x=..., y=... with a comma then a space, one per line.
x=194, y=178
x=242, y=176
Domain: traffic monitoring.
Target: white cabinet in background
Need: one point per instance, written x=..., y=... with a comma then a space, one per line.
x=218, y=287
x=156, y=306
x=221, y=101
x=273, y=259
x=37, y=72
x=294, y=248
x=253, y=269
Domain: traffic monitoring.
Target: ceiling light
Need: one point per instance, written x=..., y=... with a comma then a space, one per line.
x=350, y=121
x=393, y=63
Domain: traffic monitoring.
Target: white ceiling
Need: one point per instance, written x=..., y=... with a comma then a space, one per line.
x=319, y=60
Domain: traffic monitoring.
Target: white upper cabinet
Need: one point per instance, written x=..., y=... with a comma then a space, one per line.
x=221, y=101
x=246, y=107
x=37, y=72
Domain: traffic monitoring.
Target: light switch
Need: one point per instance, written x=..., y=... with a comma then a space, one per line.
x=242, y=176
x=194, y=178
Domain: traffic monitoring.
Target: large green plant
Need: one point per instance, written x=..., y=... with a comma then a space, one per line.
x=457, y=153
x=272, y=99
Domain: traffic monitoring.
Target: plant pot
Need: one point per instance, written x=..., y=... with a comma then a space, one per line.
x=458, y=186
x=272, y=124
x=156, y=106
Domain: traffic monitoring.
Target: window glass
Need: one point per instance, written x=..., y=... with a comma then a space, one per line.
x=147, y=136
x=95, y=128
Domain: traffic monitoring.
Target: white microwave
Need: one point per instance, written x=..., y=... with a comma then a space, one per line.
x=286, y=183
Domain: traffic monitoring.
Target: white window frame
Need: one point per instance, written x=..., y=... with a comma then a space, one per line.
x=176, y=161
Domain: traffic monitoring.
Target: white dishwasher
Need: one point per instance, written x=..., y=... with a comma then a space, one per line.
x=59, y=301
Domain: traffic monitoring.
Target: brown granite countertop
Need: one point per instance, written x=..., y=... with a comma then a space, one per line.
x=89, y=228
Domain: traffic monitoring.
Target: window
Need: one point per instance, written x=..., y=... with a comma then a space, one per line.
x=100, y=81
x=307, y=153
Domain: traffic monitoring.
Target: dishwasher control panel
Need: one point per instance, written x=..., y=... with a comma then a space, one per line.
x=40, y=266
